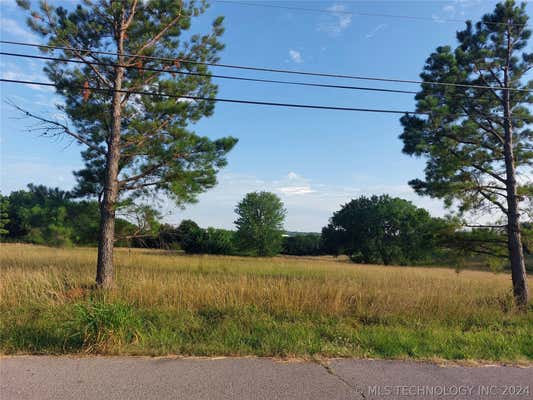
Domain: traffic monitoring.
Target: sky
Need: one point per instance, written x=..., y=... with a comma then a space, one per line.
x=315, y=160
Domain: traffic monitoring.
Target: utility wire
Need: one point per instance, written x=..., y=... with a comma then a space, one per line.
x=262, y=69
x=355, y=13
x=238, y=101
x=222, y=100
x=239, y=78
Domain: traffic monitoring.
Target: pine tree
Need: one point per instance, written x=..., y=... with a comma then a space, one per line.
x=135, y=145
x=477, y=140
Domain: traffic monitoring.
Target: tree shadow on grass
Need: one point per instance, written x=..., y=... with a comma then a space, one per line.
x=38, y=340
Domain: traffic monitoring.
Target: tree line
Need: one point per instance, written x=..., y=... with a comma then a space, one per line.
x=371, y=230
x=51, y=216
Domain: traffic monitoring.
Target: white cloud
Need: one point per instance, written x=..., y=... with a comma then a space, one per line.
x=456, y=9
x=15, y=73
x=27, y=71
x=295, y=56
x=293, y=175
x=13, y=29
x=293, y=185
x=339, y=20
x=295, y=190
x=373, y=32
x=450, y=9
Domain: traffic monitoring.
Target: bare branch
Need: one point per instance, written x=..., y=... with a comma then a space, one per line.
x=51, y=125
x=483, y=169
x=486, y=226
x=144, y=174
x=493, y=201
x=143, y=185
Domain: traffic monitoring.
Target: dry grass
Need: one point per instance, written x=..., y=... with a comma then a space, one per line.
x=304, y=296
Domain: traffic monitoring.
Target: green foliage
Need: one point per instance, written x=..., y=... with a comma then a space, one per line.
x=165, y=237
x=51, y=216
x=195, y=240
x=332, y=240
x=219, y=241
x=260, y=223
x=190, y=236
x=158, y=150
x=4, y=215
x=116, y=328
x=101, y=325
x=40, y=215
x=479, y=241
x=383, y=230
x=304, y=244
x=463, y=134
x=211, y=305
x=146, y=224
x=486, y=246
x=527, y=237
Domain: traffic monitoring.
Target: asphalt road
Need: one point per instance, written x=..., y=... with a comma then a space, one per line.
x=253, y=378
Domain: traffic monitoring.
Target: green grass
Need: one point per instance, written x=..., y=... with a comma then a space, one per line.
x=167, y=303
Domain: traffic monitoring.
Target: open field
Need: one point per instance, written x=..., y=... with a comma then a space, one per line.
x=166, y=303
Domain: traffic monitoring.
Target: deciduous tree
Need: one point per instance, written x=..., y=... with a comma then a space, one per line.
x=260, y=223
x=382, y=230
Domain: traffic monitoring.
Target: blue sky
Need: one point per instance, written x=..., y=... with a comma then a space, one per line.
x=314, y=160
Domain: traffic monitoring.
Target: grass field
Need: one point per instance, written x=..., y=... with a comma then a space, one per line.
x=166, y=303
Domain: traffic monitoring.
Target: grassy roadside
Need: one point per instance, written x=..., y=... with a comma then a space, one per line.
x=213, y=305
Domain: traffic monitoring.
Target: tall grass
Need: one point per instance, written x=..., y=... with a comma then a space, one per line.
x=206, y=305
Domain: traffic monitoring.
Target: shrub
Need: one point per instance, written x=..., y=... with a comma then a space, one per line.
x=102, y=325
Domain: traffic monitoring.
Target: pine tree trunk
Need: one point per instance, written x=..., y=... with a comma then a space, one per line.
x=104, y=267
x=514, y=240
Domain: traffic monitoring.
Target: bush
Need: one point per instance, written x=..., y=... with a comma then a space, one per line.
x=102, y=326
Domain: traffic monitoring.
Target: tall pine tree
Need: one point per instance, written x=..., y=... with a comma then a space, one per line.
x=136, y=145
x=477, y=140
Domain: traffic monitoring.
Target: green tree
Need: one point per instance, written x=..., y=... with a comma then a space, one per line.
x=302, y=244
x=383, y=230
x=51, y=216
x=84, y=218
x=331, y=240
x=40, y=215
x=190, y=236
x=218, y=241
x=4, y=215
x=476, y=139
x=260, y=223
x=135, y=145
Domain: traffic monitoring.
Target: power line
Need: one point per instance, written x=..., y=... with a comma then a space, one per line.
x=274, y=70
x=356, y=13
x=239, y=78
x=222, y=100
